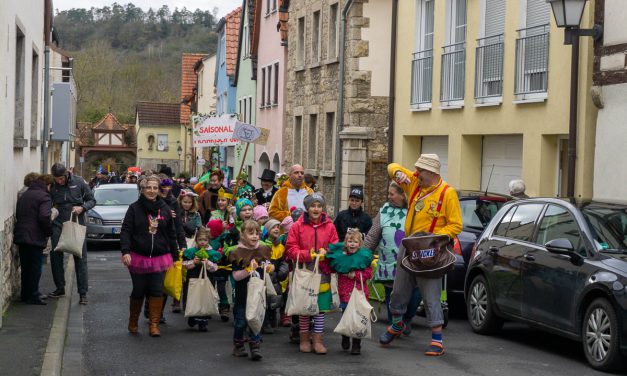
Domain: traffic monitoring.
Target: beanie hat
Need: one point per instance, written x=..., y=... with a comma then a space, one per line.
x=239, y=204
x=260, y=211
x=314, y=197
x=296, y=213
x=216, y=228
x=429, y=162
x=270, y=224
x=287, y=223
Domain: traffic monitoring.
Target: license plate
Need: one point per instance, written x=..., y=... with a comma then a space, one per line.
x=116, y=230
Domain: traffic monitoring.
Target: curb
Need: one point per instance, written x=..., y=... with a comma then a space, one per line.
x=53, y=358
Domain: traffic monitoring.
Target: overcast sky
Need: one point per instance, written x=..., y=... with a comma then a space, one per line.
x=224, y=6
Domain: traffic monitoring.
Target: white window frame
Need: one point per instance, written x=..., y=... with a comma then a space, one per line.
x=493, y=100
x=451, y=39
x=421, y=47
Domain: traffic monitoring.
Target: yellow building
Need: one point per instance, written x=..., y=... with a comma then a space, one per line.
x=485, y=85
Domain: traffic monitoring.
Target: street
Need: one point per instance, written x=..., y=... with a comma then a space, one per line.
x=99, y=344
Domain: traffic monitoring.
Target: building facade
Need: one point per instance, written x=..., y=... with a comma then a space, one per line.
x=485, y=85
x=159, y=136
x=189, y=107
x=205, y=75
x=313, y=99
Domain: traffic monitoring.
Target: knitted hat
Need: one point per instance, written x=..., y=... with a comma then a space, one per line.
x=310, y=199
x=271, y=223
x=239, y=204
x=429, y=162
x=216, y=228
x=287, y=223
x=260, y=211
x=296, y=213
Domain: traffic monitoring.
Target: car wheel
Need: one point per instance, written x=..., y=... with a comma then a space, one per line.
x=600, y=335
x=480, y=308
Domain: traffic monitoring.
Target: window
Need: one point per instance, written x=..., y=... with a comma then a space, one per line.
x=315, y=38
x=300, y=50
x=478, y=213
x=329, y=144
x=250, y=110
x=275, y=96
x=422, y=61
x=162, y=142
x=608, y=225
x=263, y=88
x=268, y=87
x=559, y=223
x=334, y=23
x=222, y=49
x=298, y=137
x=489, y=56
x=274, y=5
x=268, y=6
x=532, y=50
x=20, y=67
x=452, y=79
x=312, y=141
x=501, y=229
x=523, y=221
x=34, y=95
x=245, y=39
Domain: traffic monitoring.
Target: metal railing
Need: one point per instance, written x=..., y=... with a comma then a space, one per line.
x=532, y=60
x=489, y=67
x=421, y=77
x=453, y=72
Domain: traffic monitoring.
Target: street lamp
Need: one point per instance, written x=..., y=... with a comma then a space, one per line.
x=568, y=15
x=179, y=151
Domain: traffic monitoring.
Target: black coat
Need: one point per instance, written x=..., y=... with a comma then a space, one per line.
x=75, y=192
x=261, y=198
x=135, y=236
x=350, y=219
x=33, y=211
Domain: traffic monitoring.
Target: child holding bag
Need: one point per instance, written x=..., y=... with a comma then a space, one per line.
x=352, y=263
x=281, y=270
x=193, y=258
x=250, y=256
x=308, y=239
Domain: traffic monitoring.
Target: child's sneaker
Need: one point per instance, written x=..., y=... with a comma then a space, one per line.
x=391, y=333
x=435, y=349
x=191, y=322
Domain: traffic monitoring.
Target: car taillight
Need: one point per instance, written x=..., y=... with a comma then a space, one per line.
x=457, y=248
x=474, y=250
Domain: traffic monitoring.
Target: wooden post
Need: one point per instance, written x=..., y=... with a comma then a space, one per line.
x=241, y=167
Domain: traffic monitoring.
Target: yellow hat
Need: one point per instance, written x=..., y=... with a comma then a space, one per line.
x=222, y=193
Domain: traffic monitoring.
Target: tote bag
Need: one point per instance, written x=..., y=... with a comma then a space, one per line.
x=304, y=289
x=202, y=297
x=358, y=316
x=335, y=294
x=72, y=237
x=256, y=302
x=173, y=282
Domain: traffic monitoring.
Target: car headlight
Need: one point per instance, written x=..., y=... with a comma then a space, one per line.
x=94, y=220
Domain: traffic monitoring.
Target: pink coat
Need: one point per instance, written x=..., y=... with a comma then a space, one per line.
x=345, y=285
x=305, y=236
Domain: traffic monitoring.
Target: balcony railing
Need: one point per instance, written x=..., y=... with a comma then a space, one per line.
x=489, y=67
x=453, y=72
x=421, y=77
x=532, y=60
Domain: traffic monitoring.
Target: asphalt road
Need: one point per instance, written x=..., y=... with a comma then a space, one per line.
x=107, y=349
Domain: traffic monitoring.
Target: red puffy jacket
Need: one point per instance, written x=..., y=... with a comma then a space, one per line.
x=305, y=236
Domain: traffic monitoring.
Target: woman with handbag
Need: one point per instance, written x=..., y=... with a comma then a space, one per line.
x=308, y=240
x=149, y=246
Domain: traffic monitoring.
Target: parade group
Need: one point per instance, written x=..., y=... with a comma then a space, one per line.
x=234, y=233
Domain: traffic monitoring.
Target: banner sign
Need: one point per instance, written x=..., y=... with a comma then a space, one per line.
x=214, y=131
x=246, y=132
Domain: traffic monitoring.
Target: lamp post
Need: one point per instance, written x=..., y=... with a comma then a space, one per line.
x=568, y=15
x=179, y=151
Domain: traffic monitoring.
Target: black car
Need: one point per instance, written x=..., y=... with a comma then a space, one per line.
x=557, y=266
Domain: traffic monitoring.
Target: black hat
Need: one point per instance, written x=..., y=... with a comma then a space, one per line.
x=357, y=193
x=166, y=170
x=268, y=175
x=58, y=170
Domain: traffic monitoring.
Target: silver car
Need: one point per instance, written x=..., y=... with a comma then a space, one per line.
x=104, y=221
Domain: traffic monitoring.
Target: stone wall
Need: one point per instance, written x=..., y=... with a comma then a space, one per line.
x=9, y=265
x=312, y=89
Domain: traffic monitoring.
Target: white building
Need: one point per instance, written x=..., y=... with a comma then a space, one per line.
x=206, y=95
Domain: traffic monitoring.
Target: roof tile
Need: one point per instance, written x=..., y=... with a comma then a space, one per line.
x=151, y=113
x=188, y=83
x=232, y=39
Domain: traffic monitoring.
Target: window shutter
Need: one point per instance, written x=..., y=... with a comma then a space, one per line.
x=494, y=17
x=538, y=13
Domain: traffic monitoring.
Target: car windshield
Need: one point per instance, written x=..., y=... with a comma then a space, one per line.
x=478, y=213
x=112, y=197
x=609, y=226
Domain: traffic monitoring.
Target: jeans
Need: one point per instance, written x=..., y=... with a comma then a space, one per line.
x=412, y=305
x=30, y=262
x=241, y=327
x=56, y=264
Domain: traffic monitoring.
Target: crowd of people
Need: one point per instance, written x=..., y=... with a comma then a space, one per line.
x=233, y=231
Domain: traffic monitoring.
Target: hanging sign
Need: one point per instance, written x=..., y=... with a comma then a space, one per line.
x=214, y=131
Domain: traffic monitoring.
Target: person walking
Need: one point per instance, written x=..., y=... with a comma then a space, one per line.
x=32, y=228
x=149, y=246
x=268, y=188
x=291, y=194
x=354, y=216
x=70, y=196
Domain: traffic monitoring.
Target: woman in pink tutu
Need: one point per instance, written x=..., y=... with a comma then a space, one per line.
x=149, y=246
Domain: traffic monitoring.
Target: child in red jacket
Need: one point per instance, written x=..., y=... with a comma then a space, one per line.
x=352, y=263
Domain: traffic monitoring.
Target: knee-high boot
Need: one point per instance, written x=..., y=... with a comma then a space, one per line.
x=135, y=310
x=155, y=305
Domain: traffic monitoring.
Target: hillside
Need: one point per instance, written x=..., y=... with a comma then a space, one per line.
x=123, y=54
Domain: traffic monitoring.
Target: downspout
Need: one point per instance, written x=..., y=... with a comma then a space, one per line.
x=46, y=135
x=340, y=109
x=392, y=100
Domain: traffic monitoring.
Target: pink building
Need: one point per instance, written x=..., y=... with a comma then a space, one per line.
x=271, y=63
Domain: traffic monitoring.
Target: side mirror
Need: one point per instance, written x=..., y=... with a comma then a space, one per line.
x=563, y=246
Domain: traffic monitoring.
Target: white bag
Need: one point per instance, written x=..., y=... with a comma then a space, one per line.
x=304, y=289
x=256, y=302
x=358, y=316
x=202, y=297
x=270, y=290
x=335, y=294
x=72, y=237
x=190, y=242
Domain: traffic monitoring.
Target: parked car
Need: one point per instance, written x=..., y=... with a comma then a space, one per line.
x=104, y=221
x=556, y=266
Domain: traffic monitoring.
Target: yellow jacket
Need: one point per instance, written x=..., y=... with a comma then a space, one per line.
x=449, y=220
x=279, y=208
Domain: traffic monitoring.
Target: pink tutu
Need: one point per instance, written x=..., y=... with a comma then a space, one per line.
x=144, y=265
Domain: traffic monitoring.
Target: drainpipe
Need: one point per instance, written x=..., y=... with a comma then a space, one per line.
x=46, y=135
x=392, y=100
x=340, y=109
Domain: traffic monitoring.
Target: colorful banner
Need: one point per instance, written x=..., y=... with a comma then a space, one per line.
x=214, y=131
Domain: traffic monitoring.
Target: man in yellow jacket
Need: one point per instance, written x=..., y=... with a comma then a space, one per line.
x=291, y=194
x=433, y=207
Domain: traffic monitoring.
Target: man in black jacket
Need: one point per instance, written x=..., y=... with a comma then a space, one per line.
x=70, y=195
x=354, y=216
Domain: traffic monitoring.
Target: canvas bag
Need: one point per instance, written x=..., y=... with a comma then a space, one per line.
x=173, y=282
x=335, y=293
x=302, y=298
x=72, y=237
x=358, y=316
x=256, y=302
x=202, y=297
x=270, y=290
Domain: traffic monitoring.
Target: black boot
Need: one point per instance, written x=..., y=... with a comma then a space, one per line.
x=255, y=354
x=224, y=311
x=346, y=343
x=356, y=350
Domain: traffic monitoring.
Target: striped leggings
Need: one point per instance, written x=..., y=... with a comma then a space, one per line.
x=318, y=323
